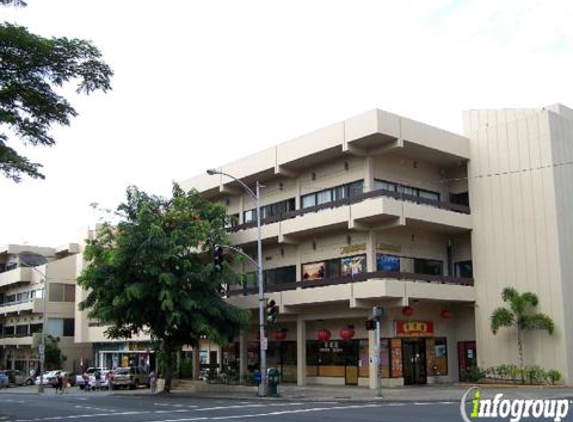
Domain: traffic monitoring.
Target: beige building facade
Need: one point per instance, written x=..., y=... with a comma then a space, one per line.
x=521, y=184
x=22, y=290
x=372, y=211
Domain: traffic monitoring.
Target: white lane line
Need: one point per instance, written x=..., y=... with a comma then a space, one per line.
x=93, y=415
x=243, y=406
x=396, y=404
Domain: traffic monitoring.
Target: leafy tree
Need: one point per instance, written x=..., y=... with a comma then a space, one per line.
x=520, y=316
x=150, y=273
x=53, y=357
x=31, y=69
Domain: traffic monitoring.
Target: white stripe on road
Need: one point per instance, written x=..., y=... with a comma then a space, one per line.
x=242, y=406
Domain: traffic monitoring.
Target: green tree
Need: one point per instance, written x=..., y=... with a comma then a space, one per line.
x=152, y=272
x=32, y=68
x=520, y=316
x=53, y=357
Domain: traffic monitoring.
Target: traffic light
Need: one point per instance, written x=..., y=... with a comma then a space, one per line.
x=272, y=312
x=218, y=258
x=370, y=325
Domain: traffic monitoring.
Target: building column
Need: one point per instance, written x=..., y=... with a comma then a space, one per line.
x=243, y=355
x=368, y=174
x=371, y=354
x=301, y=352
x=371, y=251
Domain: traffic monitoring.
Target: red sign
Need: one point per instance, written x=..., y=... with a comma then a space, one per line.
x=414, y=328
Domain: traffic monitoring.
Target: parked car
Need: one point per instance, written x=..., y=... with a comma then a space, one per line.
x=131, y=377
x=3, y=379
x=47, y=376
x=16, y=377
x=103, y=381
x=80, y=382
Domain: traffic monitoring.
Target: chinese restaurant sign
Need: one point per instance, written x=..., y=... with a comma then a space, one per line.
x=414, y=328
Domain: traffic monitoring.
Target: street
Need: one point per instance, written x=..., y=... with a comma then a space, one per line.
x=77, y=405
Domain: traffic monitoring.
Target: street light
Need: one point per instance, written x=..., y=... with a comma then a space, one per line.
x=262, y=311
x=32, y=260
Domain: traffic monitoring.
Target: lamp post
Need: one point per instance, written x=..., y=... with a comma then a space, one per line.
x=256, y=195
x=32, y=260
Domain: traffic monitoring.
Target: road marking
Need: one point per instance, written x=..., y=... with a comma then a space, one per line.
x=242, y=406
x=93, y=415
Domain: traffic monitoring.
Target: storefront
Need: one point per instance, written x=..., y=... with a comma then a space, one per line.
x=114, y=355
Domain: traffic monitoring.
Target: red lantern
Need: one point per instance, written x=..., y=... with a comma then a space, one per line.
x=280, y=335
x=324, y=335
x=347, y=333
x=407, y=311
x=446, y=314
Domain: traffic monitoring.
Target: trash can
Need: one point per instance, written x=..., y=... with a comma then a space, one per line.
x=273, y=382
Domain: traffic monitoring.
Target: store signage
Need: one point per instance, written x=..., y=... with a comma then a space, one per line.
x=389, y=247
x=330, y=347
x=353, y=248
x=414, y=328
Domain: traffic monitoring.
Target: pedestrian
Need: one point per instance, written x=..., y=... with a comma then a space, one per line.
x=59, y=383
x=152, y=382
x=86, y=379
x=64, y=386
x=97, y=377
x=109, y=377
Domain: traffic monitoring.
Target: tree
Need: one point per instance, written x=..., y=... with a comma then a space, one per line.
x=52, y=354
x=519, y=316
x=31, y=69
x=149, y=273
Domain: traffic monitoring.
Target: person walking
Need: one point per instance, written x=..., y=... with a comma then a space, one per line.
x=152, y=382
x=86, y=379
x=97, y=377
x=108, y=378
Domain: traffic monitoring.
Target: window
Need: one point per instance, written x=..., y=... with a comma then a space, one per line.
x=280, y=275
x=9, y=331
x=55, y=327
x=386, y=262
x=69, y=293
x=69, y=327
x=428, y=266
x=231, y=220
x=464, y=269
x=22, y=330
x=59, y=292
x=437, y=356
x=406, y=190
x=332, y=194
x=339, y=267
x=10, y=299
x=460, y=198
x=35, y=328
x=271, y=210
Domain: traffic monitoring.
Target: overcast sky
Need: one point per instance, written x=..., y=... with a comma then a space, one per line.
x=201, y=83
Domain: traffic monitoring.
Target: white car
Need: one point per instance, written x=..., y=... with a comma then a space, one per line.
x=103, y=381
x=48, y=376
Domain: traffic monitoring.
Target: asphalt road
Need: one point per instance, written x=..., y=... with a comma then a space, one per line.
x=109, y=407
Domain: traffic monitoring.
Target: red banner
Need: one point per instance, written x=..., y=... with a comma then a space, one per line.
x=414, y=328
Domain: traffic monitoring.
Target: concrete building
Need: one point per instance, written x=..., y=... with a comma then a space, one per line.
x=370, y=211
x=21, y=306
x=521, y=184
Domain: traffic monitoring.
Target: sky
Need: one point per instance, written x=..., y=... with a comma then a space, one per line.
x=201, y=83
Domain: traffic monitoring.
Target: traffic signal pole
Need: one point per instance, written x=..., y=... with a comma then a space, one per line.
x=259, y=265
x=262, y=305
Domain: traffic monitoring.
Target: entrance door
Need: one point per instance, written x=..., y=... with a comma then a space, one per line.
x=467, y=357
x=351, y=356
x=414, y=361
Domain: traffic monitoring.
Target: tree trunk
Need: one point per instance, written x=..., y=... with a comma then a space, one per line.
x=168, y=349
x=520, y=346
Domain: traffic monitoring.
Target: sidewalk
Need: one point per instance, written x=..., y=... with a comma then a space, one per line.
x=427, y=393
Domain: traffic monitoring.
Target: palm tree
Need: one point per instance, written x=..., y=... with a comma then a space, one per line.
x=519, y=316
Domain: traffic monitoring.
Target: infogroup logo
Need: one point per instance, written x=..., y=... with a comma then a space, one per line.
x=514, y=409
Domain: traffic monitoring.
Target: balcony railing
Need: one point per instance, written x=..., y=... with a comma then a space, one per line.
x=464, y=209
x=308, y=284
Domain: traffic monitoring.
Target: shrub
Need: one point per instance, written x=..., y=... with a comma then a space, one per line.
x=475, y=374
x=553, y=376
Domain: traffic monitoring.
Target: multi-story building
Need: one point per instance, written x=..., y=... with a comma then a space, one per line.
x=521, y=188
x=22, y=304
x=372, y=211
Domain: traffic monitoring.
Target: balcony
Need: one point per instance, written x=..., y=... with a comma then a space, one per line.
x=32, y=305
x=362, y=290
x=365, y=211
x=15, y=276
x=31, y=340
